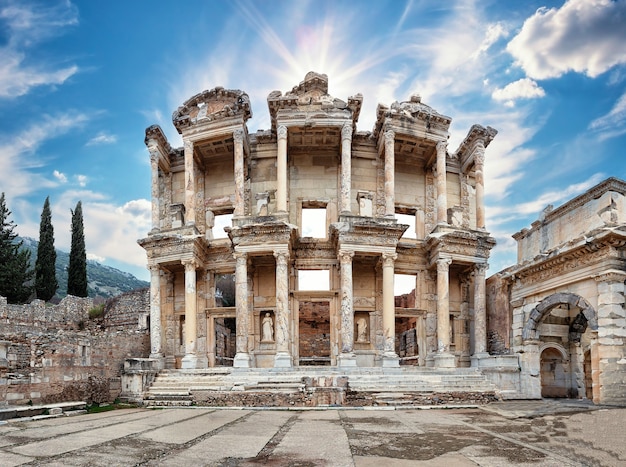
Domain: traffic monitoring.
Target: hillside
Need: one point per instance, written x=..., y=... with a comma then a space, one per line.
x=103, y=281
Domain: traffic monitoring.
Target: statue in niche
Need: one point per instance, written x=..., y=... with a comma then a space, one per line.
x=267, y=328
x=361, y=330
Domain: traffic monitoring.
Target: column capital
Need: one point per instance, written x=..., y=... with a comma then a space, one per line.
x=611, y=276
x=240, y=256
x=154, y=156
x=479, y=156
x=345, y=256
x=190, y=264
x=388, y=259
x=238, y=136
x=281, y=255
x=443, y=264
x=346, y=131
x=441, y=147
x=480, y=268
x=188, y=144
x=154, y=267
x=281, y=132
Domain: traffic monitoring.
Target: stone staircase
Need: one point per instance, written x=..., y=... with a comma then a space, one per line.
x=313, y=386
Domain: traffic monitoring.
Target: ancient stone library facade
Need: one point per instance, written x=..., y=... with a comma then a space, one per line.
x=284, y=249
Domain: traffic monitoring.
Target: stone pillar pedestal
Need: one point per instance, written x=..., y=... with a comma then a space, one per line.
x=480, y=315
x=281, y=170
x=283, y=357
x=443, y=358
x=242, y=357
x=390, y=358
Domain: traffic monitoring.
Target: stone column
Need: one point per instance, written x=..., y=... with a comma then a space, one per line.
x=239, y=176
x=390, y=203
x=480, y=315
x=154, y=167
x=281, y=170
x=156, y=351
x=283, y=357
x=242, y=357
x=190, y=185
x=346, y=167
x=443, y=358
x=347, y=357
x=390, y=358
x=479, y=165
x=190, y=360
x=442, y=194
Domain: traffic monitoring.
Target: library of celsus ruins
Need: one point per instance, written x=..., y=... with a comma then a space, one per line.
x=324, y=297
x=311, y=245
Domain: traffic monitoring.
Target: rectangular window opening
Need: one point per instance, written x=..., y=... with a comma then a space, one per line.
x=404, y=290
x=314, y=221
x=221, y=221
x=318, y=279
x=409, y=219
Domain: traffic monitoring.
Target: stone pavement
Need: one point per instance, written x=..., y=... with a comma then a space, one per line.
x=522, y=433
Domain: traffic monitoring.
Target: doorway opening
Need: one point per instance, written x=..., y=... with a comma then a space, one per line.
x=555, y=376
x=314, y=333
x=225, y=341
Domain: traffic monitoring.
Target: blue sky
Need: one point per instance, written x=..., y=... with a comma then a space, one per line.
x=80, y=81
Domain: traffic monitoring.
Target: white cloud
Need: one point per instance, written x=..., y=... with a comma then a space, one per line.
x=61, y=177
x=27, y=25
x=613, y=123
x=102, y=138
x=81, y=180
x=18, y=151
x=585, y=36
x=524, y=88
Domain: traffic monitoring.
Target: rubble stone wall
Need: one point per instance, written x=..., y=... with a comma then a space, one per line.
x=57, y=353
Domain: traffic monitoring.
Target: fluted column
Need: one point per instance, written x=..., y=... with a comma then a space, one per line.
x=239, y=176
x=190, y=185
x=390, y=358
x=242, y=357
x=283, y=357
x=154, y=168
x=442, y=194
x=390, y=203
x=346, y=167
x=347, y=357
x=156, y=351
x=190, y=359
x=480, y=312
x=281, y=170
x=479, y=165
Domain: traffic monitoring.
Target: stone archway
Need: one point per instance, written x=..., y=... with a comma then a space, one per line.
x=547, y=304
x=554, y=371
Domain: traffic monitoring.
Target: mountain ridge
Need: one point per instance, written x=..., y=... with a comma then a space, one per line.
x=102, y=280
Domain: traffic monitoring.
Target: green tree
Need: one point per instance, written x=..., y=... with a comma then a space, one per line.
x=77, y=270
x=45, y=275
x=15, y=272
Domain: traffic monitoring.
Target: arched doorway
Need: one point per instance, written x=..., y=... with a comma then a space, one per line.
x=555, y=375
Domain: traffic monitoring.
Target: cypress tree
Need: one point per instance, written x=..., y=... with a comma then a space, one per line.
x=77, y=270
x=45, y=274
x=15, y=272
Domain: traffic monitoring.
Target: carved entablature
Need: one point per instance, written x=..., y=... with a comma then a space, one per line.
x=216, y=104
x=167, y=248
x=310, y=101
x=411, y=112
x=595, y=252
x=159, y=148
x=461, y=246
x=367, y=231
x=262, y=236
x=471, y=151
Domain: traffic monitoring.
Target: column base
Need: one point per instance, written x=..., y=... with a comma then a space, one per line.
x=445, y=360
x=347, y=360
x=478, y=357
x=282, y=360
x=391, y=360
x=192, y=361
x=159, y=360
x=242, y=360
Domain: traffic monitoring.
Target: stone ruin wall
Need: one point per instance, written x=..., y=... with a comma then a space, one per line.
x=52, y=353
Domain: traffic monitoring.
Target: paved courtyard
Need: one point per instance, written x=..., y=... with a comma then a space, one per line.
x=501, y=434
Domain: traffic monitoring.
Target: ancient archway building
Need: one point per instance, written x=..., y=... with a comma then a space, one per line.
x=393, y=201
x=562, y=308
